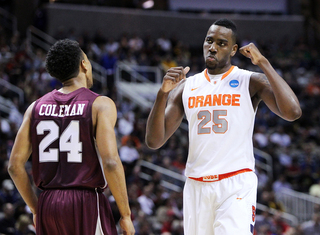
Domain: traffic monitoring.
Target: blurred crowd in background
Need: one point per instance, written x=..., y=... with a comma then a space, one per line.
x=294, y=147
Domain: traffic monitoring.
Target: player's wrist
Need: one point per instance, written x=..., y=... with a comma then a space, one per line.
x=126, y=217
x=263, y=62
x=163, y=92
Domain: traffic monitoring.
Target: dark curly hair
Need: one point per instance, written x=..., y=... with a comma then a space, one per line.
x=63, y=59
x=228, y=24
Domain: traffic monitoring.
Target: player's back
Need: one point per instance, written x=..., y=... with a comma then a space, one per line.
x=64, y=153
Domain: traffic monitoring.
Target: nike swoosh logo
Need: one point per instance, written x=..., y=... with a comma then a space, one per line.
x=192, y=89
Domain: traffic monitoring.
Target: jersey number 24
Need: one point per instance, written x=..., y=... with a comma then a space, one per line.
x=69, y=141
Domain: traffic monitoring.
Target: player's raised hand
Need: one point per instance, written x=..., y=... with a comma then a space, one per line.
x=252, y=52
x=172, y=78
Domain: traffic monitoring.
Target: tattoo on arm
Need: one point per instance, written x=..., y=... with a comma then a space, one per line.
x=260, y=82
x=261, y=78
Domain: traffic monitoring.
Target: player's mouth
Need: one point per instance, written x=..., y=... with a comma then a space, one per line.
x=212, y=58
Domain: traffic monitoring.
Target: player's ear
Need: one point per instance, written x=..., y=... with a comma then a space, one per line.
x=234, y=49
x=83, y=65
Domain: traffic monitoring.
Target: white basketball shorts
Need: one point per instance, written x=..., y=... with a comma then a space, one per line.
x=225, y=207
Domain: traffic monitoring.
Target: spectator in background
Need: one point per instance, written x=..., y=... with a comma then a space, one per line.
x=260, y=137
x=168, y=62
x=279, y=226
x=263, y=223
x=145, y=200
x=24, y=226
x=129, y=156
x=125, y=125
x=309, y=157
x=280, y=184
x=294, y=171
x=312, y=227
x=135, y=43
x=164, y=43
x=314, y=190
x=7, y=223
x=263, y=179
x=268, y=199
x=306, y=179
x=108, y=61
x=112, y=45
x=284, y=157
x=8, y=193
x=179, y=162
x=280, y=137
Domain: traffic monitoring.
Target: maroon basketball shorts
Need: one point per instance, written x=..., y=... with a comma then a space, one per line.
x=74, y=212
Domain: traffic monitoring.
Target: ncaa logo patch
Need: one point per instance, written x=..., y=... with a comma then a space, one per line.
x=234, y=83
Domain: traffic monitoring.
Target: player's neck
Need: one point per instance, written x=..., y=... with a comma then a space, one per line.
x=218, y=71
x=72, y=85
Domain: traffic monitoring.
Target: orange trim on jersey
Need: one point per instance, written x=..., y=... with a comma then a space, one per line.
x=227, y=73
x=223, y=76
x=206, y=74
x=212, y=178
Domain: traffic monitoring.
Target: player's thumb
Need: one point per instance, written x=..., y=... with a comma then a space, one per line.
x=186, y=70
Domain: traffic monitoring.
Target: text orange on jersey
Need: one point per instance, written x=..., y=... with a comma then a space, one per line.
x=214, y=100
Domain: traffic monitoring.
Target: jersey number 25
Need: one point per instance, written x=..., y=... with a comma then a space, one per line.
x=220, y=125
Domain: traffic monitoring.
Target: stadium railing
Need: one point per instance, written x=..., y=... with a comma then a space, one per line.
x=299, y=204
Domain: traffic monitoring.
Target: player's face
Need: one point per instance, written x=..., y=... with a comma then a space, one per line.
x=89, y=71
x=218, y=48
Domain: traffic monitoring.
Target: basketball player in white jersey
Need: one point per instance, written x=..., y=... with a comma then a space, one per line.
x=220, y=105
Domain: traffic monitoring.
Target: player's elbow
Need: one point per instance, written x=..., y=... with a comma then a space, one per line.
x=13, y=168
x=152, y=143
x=111, y=164
x=295, y=114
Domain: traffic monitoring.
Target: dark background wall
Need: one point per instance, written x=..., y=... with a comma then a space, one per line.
x=189, y=27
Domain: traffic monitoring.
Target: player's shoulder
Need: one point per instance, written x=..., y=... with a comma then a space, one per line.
x=195, y=80
x=103, y=102
x=243, y=71
x=257, y=78
x=29, y=110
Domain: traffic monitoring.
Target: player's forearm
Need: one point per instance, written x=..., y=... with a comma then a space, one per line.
x=23, y=184
x=286, y=100
x=155, y=130
x=115, y=177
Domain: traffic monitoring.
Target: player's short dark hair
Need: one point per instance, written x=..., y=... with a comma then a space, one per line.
x=63, y=59
x=228, y=24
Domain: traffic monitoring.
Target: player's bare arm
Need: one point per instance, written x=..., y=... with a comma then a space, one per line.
x=19, y=156
x=270, y=87
x=104, y=111
x=167, y=112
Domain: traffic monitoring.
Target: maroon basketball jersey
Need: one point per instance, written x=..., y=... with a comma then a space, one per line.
x=64, y=153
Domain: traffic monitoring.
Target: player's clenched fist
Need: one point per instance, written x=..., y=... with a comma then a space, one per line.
x=173, y=76
x=252, y=52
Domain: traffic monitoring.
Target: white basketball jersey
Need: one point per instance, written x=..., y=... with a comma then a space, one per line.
x=221, y=120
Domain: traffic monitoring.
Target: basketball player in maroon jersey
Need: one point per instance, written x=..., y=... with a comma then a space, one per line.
x=70, y=134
